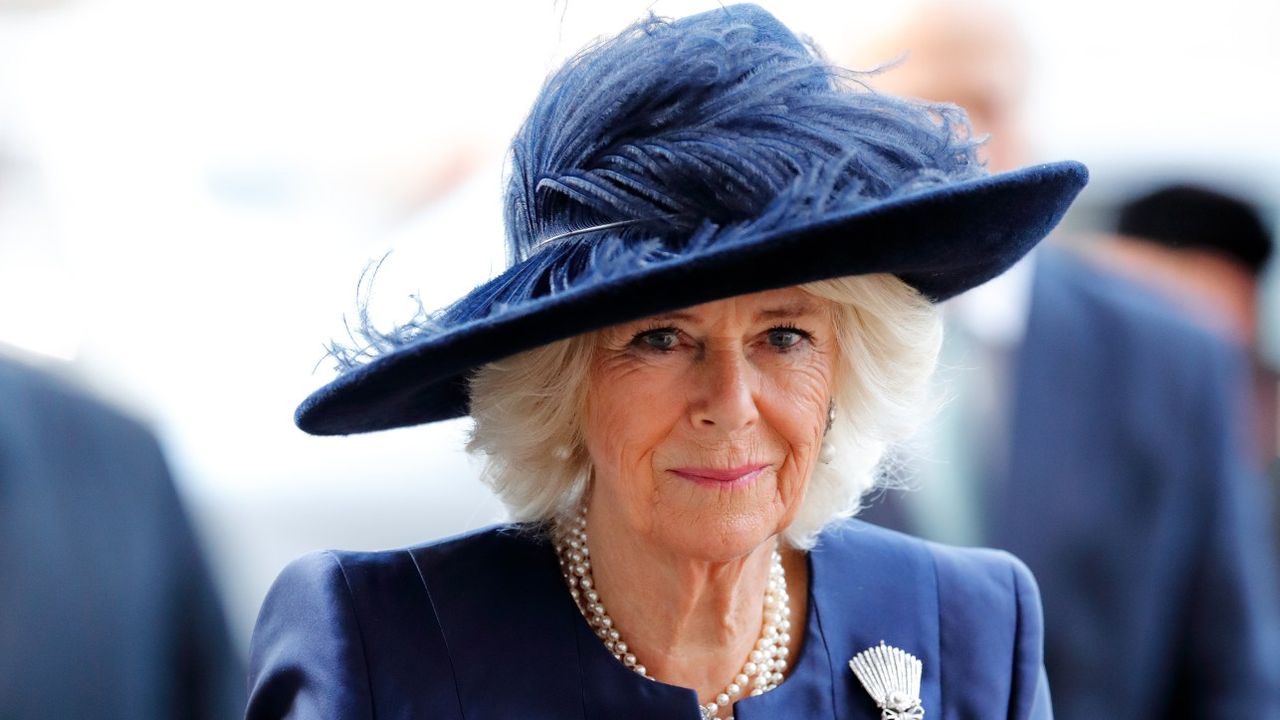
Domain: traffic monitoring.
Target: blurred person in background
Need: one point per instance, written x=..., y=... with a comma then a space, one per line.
x=1206, y=250
x=1095, y=433
x=107, y=609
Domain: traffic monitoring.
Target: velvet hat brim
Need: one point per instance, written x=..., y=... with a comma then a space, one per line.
x=942, y=241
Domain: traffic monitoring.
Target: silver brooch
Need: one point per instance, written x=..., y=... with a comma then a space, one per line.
x=892, y=678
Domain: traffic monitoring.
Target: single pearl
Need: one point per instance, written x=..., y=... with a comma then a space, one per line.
x=722, y=699
x=733, y=689
x=742, y=678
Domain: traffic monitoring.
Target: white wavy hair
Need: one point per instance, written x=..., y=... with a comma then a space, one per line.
x=527, y=408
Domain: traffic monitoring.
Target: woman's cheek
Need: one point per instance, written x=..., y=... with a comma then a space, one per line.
x=628, y=418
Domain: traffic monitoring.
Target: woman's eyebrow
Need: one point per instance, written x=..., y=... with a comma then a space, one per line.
x=687, y=317
x=788, y=311
x=799, y=308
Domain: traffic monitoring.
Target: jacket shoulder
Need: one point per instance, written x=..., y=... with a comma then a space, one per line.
x=307, y=656
x=989, y=606
x=358, y=634
x=980, y=575
x=493, y=544
x=988, y=614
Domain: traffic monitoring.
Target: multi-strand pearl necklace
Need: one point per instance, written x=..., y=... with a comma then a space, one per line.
x=764, y=667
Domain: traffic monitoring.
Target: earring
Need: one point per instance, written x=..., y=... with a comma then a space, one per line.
x=831, y=414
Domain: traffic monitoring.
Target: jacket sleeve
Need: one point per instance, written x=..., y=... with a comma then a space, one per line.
x=1030, y=688
x=991, y=631
x=307, y=659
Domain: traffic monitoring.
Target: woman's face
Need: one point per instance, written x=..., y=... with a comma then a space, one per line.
x=703, y=425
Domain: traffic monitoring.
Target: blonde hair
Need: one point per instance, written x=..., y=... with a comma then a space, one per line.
x=527, y=408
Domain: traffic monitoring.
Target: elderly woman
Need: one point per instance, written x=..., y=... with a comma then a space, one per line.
x=719, y=312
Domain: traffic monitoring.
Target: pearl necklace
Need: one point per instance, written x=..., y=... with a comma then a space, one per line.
x=763, y=668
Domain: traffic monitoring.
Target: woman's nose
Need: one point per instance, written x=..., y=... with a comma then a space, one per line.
x=726, y=398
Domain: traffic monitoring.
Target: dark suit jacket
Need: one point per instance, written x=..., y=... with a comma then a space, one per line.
x=483, y=627
x=106, y=610
x=1128, y=495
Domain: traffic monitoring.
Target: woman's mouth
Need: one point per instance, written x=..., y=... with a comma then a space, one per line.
x=722, y=477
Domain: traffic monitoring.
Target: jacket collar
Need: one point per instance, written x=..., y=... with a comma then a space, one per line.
x=863, y=589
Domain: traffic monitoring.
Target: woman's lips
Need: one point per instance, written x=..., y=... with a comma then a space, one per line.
x=722, y=477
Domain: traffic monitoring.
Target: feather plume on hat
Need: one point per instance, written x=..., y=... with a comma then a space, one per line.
x=714, y=146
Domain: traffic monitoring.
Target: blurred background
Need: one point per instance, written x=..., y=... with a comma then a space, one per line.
x=190, y=191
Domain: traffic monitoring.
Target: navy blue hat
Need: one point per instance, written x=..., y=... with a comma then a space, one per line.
x=693, y=160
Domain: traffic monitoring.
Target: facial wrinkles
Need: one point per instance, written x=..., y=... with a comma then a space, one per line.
x=763, y=405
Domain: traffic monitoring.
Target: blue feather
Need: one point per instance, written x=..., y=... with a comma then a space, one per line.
x=705, y=132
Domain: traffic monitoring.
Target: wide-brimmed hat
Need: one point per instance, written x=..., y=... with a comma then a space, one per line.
x=694, y=160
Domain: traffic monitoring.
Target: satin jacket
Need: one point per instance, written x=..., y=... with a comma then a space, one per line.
x=482, y=626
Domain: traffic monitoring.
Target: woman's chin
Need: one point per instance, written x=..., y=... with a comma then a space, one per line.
x=718, y=540
x=718, y=525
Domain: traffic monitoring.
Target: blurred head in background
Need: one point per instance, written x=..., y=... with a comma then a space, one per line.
x=1205, y=250
x=971, y=53
x=968, y=53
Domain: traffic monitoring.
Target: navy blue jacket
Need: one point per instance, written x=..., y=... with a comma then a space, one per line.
x=1129, y=496
x=482, y=626
x=107, y=609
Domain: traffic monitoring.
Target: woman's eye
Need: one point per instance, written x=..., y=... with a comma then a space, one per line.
x=664, y=339
x=786, y=338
